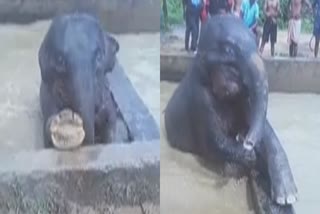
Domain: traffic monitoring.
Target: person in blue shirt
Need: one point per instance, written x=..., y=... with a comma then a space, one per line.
x=316, y=25
x=250, y=14
x=192, y=12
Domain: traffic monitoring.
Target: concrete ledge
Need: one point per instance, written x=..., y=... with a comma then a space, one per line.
x=117, y=16
x=299, y=75
x=101, y=179
x=138, y=118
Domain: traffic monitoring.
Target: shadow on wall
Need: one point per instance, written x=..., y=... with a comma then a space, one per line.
x=125, y=16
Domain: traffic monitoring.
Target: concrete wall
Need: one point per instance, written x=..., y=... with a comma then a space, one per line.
x=118, y=16
x=299, y=75
x=115, y=178
x=139, y=121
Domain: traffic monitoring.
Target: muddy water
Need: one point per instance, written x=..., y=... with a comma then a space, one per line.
x=20, y=124
x=186, y=187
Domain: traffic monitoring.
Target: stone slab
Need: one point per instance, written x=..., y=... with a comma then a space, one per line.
x=92, y=179
x=138, y=118
x=300, y=75
x=117, y=16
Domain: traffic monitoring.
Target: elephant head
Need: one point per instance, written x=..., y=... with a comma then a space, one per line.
x=226, y=42
x=74, y=58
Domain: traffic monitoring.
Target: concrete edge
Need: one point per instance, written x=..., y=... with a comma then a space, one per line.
x=137, y=116
x=106, y=179
x=125, y=16
x=97, y=157
x=285, y=75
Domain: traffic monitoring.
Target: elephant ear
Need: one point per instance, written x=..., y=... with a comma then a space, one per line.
x=111, y=49
x=44, y=62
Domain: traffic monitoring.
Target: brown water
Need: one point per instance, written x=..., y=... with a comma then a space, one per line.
x=20, y=124
x=186, y=187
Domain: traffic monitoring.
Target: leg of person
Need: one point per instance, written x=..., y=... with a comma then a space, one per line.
x=297, y=36
x=316, y=47
x=295, y=49
x=291, y=49
x=194, y=28
x=276, y=165
x=197, y=32
x=272, y=49
x=290, y=35
x=188, y=31
x=273, y=37
x=265, y=36
x=316, y=34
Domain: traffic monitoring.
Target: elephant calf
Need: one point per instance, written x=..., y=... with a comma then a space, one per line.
x=219, y=108
x=76, y=102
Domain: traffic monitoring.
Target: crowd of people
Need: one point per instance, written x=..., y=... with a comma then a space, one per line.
x=196, y=11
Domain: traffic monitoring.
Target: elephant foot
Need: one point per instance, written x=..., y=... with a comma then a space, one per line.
x=66, y=130
x=283, y=187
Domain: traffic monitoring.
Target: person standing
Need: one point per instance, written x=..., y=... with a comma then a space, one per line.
x=192, y=12
x=237, y=8
x=205, y=11
x=316, y=25
x=294, y=27
x=272, y=10
x=218, y=7
x=250, y=15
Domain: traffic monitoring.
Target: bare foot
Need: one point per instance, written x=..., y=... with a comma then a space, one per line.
x=67, y=130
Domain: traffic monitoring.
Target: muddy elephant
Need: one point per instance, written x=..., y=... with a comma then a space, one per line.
x=219, y=108
x=76, y=103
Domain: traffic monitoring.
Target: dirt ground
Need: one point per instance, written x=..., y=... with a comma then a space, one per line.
x=174, y=41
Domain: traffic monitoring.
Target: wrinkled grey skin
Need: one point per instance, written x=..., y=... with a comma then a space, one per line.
x=221, y=104
x=74, y=58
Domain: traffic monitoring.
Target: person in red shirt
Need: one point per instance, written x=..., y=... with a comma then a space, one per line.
x=205, y=11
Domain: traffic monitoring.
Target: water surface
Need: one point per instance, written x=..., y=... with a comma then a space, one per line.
x=186, y=187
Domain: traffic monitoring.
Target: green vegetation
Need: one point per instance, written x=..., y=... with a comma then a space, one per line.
x=175, y=14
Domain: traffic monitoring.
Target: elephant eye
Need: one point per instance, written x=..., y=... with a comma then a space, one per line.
x=98, y=56
x=229, y=50
x=60, y=64
x=61, y=61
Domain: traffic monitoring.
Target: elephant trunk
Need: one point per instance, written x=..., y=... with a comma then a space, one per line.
x=84, y=101
x=258, y=100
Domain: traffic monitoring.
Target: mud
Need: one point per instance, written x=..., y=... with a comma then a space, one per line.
x=186, y=187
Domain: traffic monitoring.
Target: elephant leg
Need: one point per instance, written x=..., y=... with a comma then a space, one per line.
x=276, y=165
x=49, y=108
x=110, y=127
x=62, y=129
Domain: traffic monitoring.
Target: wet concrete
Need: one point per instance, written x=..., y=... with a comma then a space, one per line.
x=89, y=180
x=125, y=16
x=20, y=125
x=186, y=187
x=300, y=75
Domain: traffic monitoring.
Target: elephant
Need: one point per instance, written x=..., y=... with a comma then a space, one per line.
x=77, y=105
x=219, y=109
